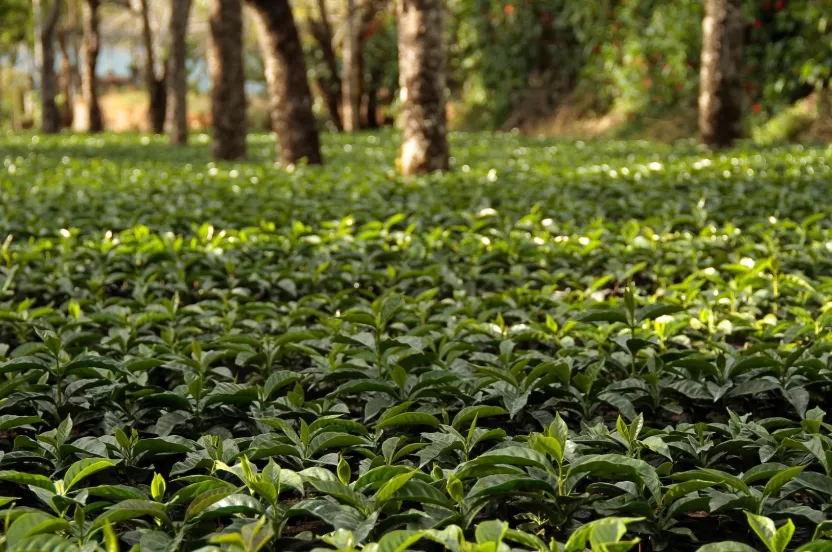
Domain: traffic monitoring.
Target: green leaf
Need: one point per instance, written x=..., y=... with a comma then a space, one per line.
x=611, y=316
x=774, y=539
x=409, y=418
x=85, y=468
x=398, y=540
x=513, y=456
x=157, y=487
x=378, y=476
x=775, y=483
x=470, y=412
x=44, y=543
x=131, y=509
x=491, y=531
x=651, y=312
x=22, y=478
x=682, y=489
x=232, y=505
x=206, y=499
x=391, y=487
x=32, y=524
x=727, y=546
x=493, y=485
x=64, y=429
x=10, y=422
x=344, y=472
x=612, y=465
x=338, y=491
x=23, y=364
x=599, y=533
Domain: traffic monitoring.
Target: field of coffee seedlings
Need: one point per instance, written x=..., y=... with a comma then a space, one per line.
x=601, y=346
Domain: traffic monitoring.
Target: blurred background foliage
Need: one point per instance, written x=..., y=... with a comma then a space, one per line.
x=549, y=66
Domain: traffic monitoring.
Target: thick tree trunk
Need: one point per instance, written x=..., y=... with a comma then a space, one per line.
x=720, y=79
x=351, y=81
x=228, y=95
x=89, y=79
x=156, y=89
x=45, y=59
x=422, y=83
x=292, y=117
x=330, y=86
x=177, y=73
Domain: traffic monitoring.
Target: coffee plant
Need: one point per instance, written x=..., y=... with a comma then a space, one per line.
x=557, y=346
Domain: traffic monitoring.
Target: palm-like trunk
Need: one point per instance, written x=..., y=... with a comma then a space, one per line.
x=45, y=59
x=292, y=117
x=89, y=80
x=422, y=82
x=228, y=95
x=720, y=79
x=177, y=73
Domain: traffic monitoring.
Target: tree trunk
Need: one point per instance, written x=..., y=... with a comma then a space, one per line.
x=66, y=78
x=228, y=94
x=89, y=79
x=45, y=60
x=292, y=117
x=720, y=79
x=177, y=81
x=351, y=81
x=422, y=83
x=372, y=99
x=156, y=89
x=330, y=85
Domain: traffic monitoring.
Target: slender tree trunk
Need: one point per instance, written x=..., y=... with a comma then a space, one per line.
x=76, y=42
x=372, y=99
x=351, y=81
x=228, y=95
x=422, y=83
x=66, y=78
x=89, y=79
x=720, y=79
x=292, y=117
x=330, y=85
x=156, y=89
x=45, y=59
x=177, y=73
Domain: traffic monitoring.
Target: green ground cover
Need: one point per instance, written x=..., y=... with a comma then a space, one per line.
x=575, y=343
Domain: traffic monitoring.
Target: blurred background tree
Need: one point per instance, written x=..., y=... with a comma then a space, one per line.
x=566, y=67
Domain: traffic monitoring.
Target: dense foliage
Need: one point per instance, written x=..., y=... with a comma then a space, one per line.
x=635, y=57
x=604, y=345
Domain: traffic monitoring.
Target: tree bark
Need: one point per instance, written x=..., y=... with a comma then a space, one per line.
x=292, y=117
x=177, y=82
x=720, y=79
x=351, y=81
x=66, y=78
x=422, y=83
x=89, y=79
x=330, y=86
x=156, y=89
x=228, y=95
x=372, y=99
x=45, y=60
